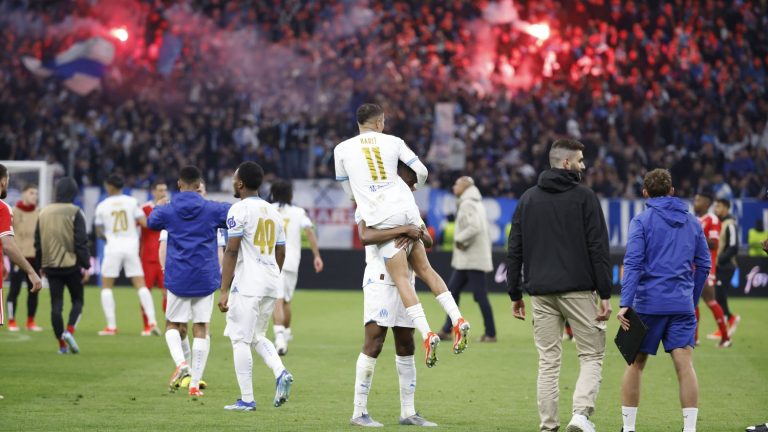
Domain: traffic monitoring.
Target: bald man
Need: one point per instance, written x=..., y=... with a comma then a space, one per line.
x=471, y=253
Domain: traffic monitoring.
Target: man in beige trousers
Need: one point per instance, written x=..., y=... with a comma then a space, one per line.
x=560, y=240
x=471, y=254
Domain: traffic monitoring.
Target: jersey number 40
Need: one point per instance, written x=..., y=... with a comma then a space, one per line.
x=264, y=237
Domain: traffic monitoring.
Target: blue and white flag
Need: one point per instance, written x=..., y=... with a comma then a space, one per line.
x=80, y=67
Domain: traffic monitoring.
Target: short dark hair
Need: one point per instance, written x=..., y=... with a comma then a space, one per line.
x=567, y=144
x=368, y=111
x=3, y=171
x=157, y=183
x=190, y=175
x=725, y=202
x=251, y=174
x=282, y=191
x=29, y=186
x=115, y=180
x=560, y=151
x=658, y=183
x=706, y=194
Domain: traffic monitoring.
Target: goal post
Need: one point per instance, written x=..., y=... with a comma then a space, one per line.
x=22, y=173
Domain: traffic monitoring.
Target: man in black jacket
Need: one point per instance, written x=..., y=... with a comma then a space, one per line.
x=727, y=249
x=560, y=240
x=61, y=247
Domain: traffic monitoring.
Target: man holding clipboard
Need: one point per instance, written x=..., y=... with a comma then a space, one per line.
x=665, y=267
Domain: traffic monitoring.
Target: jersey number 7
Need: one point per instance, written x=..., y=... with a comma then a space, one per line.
x=371, y=154
x=264, y=237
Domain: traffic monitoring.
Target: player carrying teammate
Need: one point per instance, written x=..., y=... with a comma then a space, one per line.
x=192, y=270
x=295, y=220
x=252, y=264
x=711, y=226
x=384, y=309
x=116, y=219
x=150, y=242
x=366, y=166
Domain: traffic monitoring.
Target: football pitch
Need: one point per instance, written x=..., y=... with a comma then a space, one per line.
x=120, y=383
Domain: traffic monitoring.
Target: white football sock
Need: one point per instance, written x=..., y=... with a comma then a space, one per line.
x=279, y=335
x=186, y=350
x=288, y=334
x=363, y=379
x=266, y=349
x=243, y=369
x=689, y=419
x=416, y=313
x=406, y=371
x=108, y=304
x=630, y=417
x=200, y=350
x=173, y=339
x=449, y=306
x=145, y=298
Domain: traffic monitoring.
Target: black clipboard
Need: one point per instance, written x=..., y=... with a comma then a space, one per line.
x=629, y=341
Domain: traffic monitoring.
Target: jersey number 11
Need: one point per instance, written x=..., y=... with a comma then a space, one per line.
x=374, y=154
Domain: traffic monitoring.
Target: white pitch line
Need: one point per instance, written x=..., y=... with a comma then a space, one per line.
x=16, y=337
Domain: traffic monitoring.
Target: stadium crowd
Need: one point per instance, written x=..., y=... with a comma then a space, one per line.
x=677, y=84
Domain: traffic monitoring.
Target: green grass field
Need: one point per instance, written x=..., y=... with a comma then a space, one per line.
x=119, y=383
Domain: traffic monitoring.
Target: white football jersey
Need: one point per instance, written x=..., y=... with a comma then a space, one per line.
x=261, y=227
x=369, y=162
x=295, y=220
x=117, y=215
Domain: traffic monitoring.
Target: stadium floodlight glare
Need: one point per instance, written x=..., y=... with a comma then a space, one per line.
x=539, y=31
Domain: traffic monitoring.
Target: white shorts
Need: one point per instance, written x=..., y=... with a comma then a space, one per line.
x=288, y=281
x=116, y=260
x=248, y=317
x=382, y=304
x=410, y=217
x=186, y=309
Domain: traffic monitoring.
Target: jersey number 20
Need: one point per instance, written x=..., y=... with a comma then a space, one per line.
x=120, y=221
x=374, y=154
x=264, y=237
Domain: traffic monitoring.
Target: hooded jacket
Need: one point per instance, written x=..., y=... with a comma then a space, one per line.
x=192, y=264
x=61, y=241
x=559, y=238
x=472, y=231
x=667, y=259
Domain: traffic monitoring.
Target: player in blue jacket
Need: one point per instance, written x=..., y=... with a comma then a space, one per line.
x=191, y=271
x=665, y=267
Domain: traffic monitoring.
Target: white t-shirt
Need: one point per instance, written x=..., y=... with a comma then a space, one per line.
x=117, y=215
x=369, y=162
x=295, y=220
x=261, y=227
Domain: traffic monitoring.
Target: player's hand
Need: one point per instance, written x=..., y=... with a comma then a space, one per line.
x=413, y=232
x=37, y=284
x=86, y=276
x=318, y=264
x=403, y=242
x=605, y=310
x=460, y=246
x=223, y=300
x=518, y=309
x=765, y=246
x=622, y=317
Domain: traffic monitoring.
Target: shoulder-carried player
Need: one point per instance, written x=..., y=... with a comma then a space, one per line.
x=366, y=166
